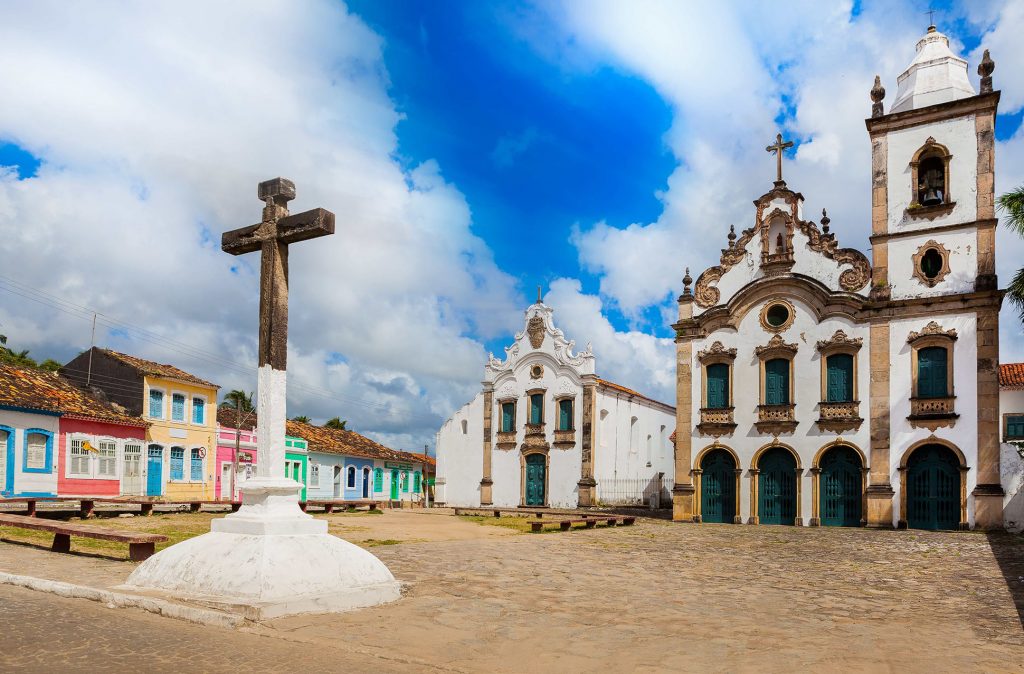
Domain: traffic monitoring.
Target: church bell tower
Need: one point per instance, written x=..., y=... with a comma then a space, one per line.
x=933, y=248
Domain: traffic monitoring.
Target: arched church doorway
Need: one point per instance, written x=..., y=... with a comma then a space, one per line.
x=535, y=470
x=840, y=493
x=718, y=487
x=933, y=488
x=777, y=487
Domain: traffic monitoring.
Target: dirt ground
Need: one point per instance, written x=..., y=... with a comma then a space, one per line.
x=653, y=597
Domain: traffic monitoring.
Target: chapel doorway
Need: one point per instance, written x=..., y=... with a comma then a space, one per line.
x=840, y=493
x=777, y=487
x=933, y=488
x=718, y=487
x=535, y=469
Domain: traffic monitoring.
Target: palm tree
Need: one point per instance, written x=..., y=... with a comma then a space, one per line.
x=1012, y=204
x=336, y=423
x=238, y=398
x=302, y=419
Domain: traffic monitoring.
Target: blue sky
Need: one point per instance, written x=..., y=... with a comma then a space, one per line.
x=472, y=151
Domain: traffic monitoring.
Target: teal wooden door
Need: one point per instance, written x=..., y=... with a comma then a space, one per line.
x=931, y=372
x=840, y=490
x=839, y=378
x=718, y=487
x=535, y=470
x=933, y=489
x=394, y=485
x=776, y=498
x=776, y=382
x=718, y=386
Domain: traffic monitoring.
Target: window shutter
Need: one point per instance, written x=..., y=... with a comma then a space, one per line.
x=776, y=384
x=177, y=463
x=378, y=480
x=198, y=411
x=839, y=378
x=564, y=415
x=536, y=408
x=718, y=386
x=508, y=417
x=197, y=467
x=1015, y=427
x=107, y=458
x=931, y=372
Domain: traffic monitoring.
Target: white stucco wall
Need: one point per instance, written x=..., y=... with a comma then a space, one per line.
x=619, y=462
x=460, y=456
x=963, y=264
x=1011, y=464
x=30, y=483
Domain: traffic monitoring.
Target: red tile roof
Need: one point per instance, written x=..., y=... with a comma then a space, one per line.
x=1011, y=375
x=226, y=418
x=425, y=459
x=349, y=443
x=32, y=389
x=154, y=369
x=628, y=391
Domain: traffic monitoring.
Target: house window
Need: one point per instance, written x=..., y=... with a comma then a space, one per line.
x=839, y=378
x=536, y=408
x=508, y=417
x=106, y=459
x=565, y=414
x=177, y=407
x=465, y=427
x=718, y=386
x=314, y=474
x=156, y=404
x=196, y=472
x=405, y=481
x=350, y=480
x=776, y=382
x=932, y=372
x=37, y=447
x=198, y=410
x=378, y=479
x=79, y=461
x=634, y=435
x=416, y=481
x=1014, y=427
x=178, y=463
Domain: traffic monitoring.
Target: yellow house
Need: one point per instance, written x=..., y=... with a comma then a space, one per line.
x=181, y=409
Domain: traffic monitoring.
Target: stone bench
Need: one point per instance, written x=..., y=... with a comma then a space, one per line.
x=140, y=546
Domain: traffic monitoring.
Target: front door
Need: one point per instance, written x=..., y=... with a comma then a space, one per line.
x=840, y=491
x=718, y=487
x=535, y=474
x=933, y=489
x=131, y=470
x=154, y=471
x=777, y=487
x=225, y=481
x=394, y=485
x=366, y=483
x=337, y=482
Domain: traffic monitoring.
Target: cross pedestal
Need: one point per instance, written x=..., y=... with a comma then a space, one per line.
x=270, y=559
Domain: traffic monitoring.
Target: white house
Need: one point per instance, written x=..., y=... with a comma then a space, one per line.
x=877, y=394
x=545, y=430
x=1011, y=451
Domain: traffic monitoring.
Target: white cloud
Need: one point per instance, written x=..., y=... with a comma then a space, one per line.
x=154, y=128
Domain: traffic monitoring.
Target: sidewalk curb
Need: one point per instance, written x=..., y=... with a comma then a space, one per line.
x=121, y=600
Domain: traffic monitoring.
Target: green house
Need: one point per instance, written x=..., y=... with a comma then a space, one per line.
x=296, y=461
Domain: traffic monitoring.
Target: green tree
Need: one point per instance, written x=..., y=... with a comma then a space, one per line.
x=20, y=358
x=337, y=424
x=1012, y=205
x=51, y=365
x=302, y=419
x=238, y=398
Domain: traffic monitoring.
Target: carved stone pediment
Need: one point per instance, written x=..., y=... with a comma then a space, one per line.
x=840, y=339
x=717, y=352
x=776, y=346
x=933, y=329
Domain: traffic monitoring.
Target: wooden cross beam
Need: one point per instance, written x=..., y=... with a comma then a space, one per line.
x=777, y=150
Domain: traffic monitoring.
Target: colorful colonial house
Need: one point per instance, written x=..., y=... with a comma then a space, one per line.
x=295, y=461
x=57, y=440
x=180, y=442
x=244, y=467
x=346, y=465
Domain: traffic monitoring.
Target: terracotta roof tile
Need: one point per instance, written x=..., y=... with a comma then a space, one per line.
x=628, y=391
x=350, y=443
x=226, y=418
x=154, y=369
x=34, y=389
x=1011, y=375
x=419, y=456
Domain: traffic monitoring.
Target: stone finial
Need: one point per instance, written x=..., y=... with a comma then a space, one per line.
x=985, y=69
x=877, y=94
x=539, y=299
x=281, y=190
x=824, y=222
x=686, y=282
x=732, y=236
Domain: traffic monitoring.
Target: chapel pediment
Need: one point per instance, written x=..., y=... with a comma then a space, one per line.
x=540, y=341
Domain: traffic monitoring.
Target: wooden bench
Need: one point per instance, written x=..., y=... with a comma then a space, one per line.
x=330, y=505
x=589, y=522
x=140, y=546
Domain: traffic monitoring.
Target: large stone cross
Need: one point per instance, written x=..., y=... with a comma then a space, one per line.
x=777, y=149
x=271, y=237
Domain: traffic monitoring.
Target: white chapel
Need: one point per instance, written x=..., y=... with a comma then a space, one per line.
x=877, y=395
x=546, y=430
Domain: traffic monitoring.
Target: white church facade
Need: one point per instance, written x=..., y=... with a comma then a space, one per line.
x=877, y=396
x=547, y=431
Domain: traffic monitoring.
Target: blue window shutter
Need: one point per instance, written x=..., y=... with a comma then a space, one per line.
x=839, y=378
x=156, y=404
x=931, y=372
x=565, y=415
x=198, y=411
x=776, y=382
x=1015, y=427
x=508, y=417
x=177, y=463
x=197, y=466
x=718, y=386
x=536, y=408
x=178, y=407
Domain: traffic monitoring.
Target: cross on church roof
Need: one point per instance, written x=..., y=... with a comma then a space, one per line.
x=777, y=149
x=931, y=17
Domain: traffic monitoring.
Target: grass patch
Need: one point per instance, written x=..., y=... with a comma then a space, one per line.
x=521, y=524
x=374, y=542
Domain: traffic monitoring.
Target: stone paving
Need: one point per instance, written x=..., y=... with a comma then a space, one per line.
x=660, y=596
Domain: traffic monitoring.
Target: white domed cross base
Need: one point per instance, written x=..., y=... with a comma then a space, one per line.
x=268, y=560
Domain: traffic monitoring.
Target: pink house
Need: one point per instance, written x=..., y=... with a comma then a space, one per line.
x=225, y=459
x=100, y=457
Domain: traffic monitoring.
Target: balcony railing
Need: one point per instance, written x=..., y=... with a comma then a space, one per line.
x=922, y=407
x=716, y=421
x=565, y=439
x=839, y=416
x=505, y=439
x=776, y=419
x=535, y=429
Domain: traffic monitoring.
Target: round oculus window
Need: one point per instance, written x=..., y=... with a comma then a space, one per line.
x=777, y=315
x=931, y=263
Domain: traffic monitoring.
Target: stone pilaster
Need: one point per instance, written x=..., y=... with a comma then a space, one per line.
x=988, y=494
x=879, y=210
x=879, y=492
x=486, y=482
x=682, y=492
x=587, y=484
x=984, y=126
